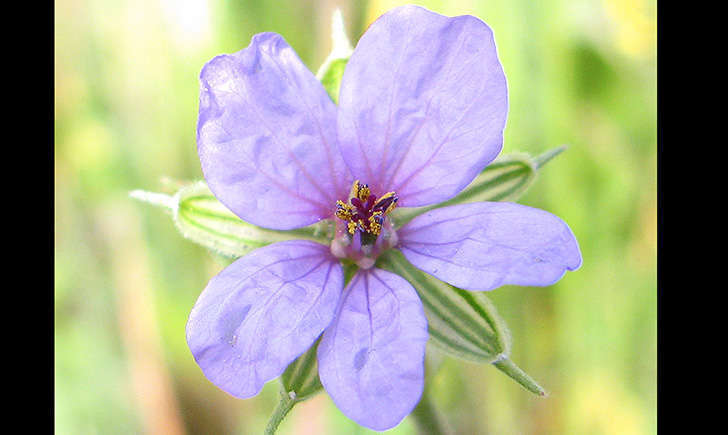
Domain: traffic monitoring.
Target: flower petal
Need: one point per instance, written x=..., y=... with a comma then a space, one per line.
x=423, y=104
x=263, y=311
x=484, y=245
x=371, y=359
x=266, y=136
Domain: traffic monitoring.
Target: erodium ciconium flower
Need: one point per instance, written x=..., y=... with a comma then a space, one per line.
x=422, y=108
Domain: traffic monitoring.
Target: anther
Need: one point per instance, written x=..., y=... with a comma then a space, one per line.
x=365, y=212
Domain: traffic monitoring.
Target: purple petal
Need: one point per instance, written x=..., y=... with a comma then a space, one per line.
x=262, y=312
x=371, y=359
x=266, y=136
x=484, y=245
x=423, y=104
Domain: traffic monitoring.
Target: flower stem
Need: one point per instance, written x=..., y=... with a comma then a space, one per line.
x=284, y=406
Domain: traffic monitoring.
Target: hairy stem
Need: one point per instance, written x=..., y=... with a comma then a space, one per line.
x=284, y=406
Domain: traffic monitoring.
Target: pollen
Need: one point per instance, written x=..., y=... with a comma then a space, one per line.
x=360, y=191
x=375, y=223
x=365, y=212
x=344, y=211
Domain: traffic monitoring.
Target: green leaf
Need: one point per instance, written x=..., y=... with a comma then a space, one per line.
x=461, y=323
x=506, y=179
x=201, y=218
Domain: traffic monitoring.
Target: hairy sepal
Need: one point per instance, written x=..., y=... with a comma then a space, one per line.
x=506, y=179
x=463, y=324
x=202, y=219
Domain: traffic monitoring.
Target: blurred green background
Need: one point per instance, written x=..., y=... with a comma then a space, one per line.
x=581, y=73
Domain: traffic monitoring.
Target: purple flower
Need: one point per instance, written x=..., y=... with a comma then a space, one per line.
x=423, y=104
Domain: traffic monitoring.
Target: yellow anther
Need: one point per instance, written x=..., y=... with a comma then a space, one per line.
x=374, y=226
x=343, y=210
x=359, y=190
x=363, y=215
x=389, y=197
x=351, y=226
x=363, y=193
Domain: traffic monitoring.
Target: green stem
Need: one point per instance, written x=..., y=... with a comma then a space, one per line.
x=284, y=406
x=511, y=369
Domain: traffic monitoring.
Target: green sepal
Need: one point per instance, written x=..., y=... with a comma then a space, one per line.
x=332, y=70
x=300, y=380
x=331, y=79
x=506, y=179
x=461, y=323
x=201, y=218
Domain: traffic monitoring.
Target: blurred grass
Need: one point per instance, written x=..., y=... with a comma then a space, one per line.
x=579, y=73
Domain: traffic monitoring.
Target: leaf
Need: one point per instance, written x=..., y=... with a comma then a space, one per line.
x=506, y=179
x=201, y=218
x=463, y=324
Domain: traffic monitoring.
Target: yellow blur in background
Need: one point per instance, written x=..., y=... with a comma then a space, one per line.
x=581, y=73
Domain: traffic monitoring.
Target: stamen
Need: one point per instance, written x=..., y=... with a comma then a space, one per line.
x=365, y=212
x=386, y=203
x=351, y=227
x=375, y=223
x=343, y=211
x=363, y=192
x=359, y=191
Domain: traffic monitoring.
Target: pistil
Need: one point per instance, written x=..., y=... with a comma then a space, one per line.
x=365, y=212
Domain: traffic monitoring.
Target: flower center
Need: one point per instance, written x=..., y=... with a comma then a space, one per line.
x=364, y=232
x=365, y=212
